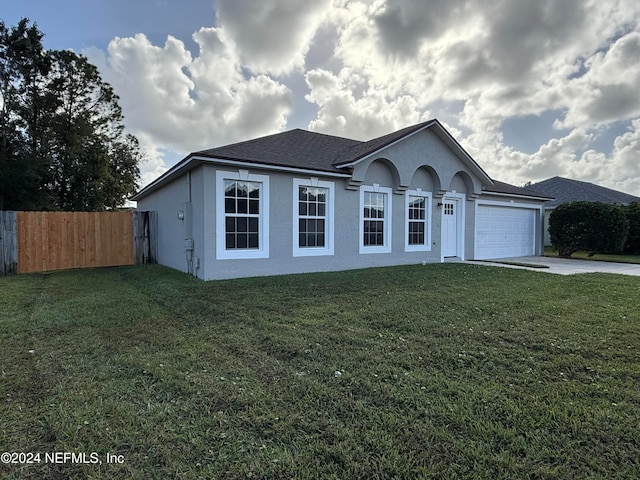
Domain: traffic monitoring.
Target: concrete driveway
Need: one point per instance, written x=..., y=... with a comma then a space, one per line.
x=565, y=266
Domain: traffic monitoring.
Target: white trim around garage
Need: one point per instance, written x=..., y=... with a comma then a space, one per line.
x=513, y=232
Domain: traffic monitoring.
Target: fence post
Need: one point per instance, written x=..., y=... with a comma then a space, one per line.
x=8, y=243
x=136, y=243
x=145, y=231
x=153, y=237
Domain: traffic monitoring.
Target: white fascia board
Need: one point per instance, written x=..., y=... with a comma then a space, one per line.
x=464, y=155
x=164, y=178
x=511, y=203
x=185, y=164
x=513, y=195
x=264, y=166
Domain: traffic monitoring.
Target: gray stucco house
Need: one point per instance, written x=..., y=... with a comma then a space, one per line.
x=563, y=190
x=300, y=201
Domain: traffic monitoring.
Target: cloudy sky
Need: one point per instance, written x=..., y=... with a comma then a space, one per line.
x=531, y=89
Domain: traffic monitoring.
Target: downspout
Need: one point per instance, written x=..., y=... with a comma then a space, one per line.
x=188, y=228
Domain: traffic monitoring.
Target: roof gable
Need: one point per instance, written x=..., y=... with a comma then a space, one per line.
x=567, y=190
x=361, y=150
x=364, y=150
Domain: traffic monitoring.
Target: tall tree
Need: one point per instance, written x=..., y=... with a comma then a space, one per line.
x=63, y=143
x=24, y=66
x=93, y=163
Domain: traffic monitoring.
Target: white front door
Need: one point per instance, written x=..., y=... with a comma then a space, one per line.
x=450, y=228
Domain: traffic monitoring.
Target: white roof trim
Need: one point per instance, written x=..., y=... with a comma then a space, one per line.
x=351, y=164
x=451, y=143
x=514, y=195
x=266, y=166
x=186, y=163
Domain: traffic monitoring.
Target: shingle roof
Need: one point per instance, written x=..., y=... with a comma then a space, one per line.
x=309, y=150
x=506, y=188
x=294, y=148
x=567, y=190
x=303, y=150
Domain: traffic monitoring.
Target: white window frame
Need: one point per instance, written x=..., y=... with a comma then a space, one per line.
x=222, y=253
x=386, y=248
x=329, y=218
x=427, y=227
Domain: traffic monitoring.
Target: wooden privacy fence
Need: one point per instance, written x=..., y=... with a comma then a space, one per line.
x=43, y=241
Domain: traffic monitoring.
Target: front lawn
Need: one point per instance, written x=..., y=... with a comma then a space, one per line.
x=437, y=371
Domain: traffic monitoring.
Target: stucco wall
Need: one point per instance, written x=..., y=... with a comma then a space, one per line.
x=346, y=227
x=421, y=161
x=169, y=201
x=426, y=150
x=408, y=165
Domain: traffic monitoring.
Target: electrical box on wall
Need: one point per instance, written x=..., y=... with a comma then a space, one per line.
x=188, y=245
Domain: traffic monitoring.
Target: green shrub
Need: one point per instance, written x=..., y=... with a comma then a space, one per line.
x=591, y=226
x=633, y=238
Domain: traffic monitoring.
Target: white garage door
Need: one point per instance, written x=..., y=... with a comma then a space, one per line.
x=504, y=232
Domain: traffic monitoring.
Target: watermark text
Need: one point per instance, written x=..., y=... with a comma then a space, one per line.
x=76, y=458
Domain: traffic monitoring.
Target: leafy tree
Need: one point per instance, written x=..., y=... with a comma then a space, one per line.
x=93, y=163
x=24, y=66
x=62, y=139
x=591, y=226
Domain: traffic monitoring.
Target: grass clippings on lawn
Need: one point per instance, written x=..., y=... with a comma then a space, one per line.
x=515, y=264
x=438, y=371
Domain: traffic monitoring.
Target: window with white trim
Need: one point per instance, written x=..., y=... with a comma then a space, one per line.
x=242, y=215
x=375, y=219
x=418, y=223
x=312, y=217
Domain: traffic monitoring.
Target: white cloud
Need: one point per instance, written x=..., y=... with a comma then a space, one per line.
x=154, y=162
x=570, y=157
x=363, y=118
x=608, y=91
x=173, y=101
x=618, y=170
x=394, y=63
x=271, y=36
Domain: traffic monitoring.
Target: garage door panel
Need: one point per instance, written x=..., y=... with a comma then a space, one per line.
x=504, y=232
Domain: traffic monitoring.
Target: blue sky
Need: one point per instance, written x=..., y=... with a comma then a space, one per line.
x=80, y=24
x=530, y=89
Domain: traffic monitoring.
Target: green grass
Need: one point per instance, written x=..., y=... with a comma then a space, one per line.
x=600, y=257
x=445, y=371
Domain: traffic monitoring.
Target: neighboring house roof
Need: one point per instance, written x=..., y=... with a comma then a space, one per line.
x=508, y=189
x=304, y=151
x=565, y=190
